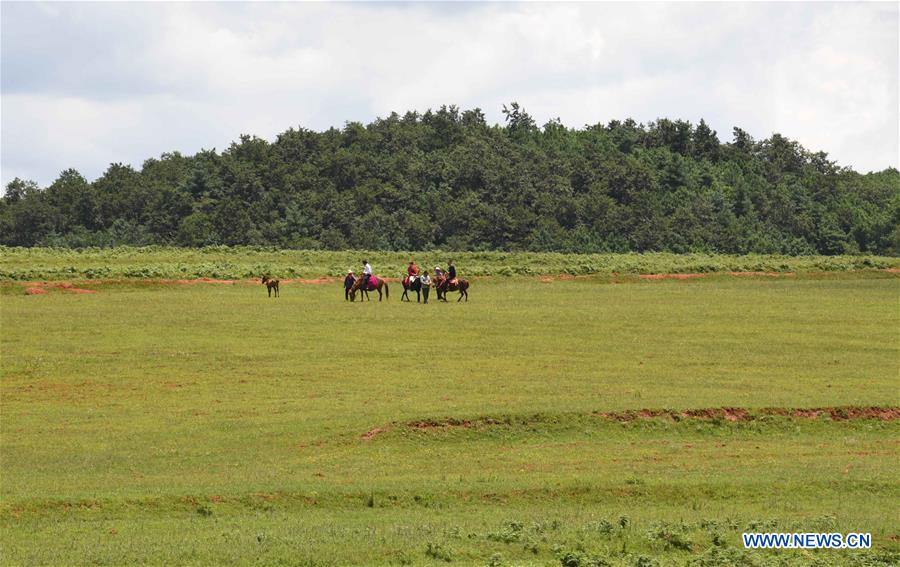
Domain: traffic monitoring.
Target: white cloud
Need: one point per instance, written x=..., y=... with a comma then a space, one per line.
x=84, y=85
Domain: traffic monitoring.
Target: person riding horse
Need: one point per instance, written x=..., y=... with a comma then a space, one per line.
x=367, y=272
x=451, y=275
x=412, y=271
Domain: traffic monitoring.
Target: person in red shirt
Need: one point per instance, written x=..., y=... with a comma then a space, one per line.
x=412, y=271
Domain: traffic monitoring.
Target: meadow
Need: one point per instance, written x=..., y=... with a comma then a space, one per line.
x=238, y=262
x=208, y=424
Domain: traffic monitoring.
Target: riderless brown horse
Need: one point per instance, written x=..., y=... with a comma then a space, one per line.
x=377, y=286
x=270, y=285
x=458, y=284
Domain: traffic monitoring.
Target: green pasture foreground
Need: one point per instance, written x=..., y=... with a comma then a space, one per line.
x=223, y=262
x=208, y=424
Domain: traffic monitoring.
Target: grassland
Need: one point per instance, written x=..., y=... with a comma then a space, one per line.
x=168, y=424
x=225, y=262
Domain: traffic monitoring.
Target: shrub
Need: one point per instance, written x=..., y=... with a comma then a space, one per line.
x=437, y=551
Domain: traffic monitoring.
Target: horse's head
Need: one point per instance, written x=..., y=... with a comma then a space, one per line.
x=354, y=288
x=264, y=279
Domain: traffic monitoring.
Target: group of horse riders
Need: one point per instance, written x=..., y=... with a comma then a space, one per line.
x=441, y=279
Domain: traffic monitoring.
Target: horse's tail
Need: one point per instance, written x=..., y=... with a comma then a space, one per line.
x=387, y=294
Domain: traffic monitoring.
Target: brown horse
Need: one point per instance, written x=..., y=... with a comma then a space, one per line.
x=413, y=283
x=270, y=285
x=377, y=286
x=458, y=284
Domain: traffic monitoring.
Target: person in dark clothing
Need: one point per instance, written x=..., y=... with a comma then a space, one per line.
x=451, y=275
x=348, y=283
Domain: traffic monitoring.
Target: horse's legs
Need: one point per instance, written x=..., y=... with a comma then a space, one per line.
x=379, y=294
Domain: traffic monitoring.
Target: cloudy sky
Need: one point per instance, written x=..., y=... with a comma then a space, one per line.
x=84, y=85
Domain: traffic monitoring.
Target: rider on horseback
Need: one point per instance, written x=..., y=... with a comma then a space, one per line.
x=367, y=273
x=451, y=275
x=412, y=271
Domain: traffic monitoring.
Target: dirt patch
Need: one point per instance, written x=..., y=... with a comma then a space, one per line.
x=743, y=414
x=892, y=270
x=447, y=423
x=556, y=278
x=670, y=276
x=807, y=413
x=728, y=414
x=715, y=415
x=764, y=274
x=70, y=288
x=372, y=433
x=40, y=288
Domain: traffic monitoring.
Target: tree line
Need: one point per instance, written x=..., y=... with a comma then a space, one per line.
x=447, y=179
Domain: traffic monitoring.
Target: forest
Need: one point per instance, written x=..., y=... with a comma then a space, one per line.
x=447, y=179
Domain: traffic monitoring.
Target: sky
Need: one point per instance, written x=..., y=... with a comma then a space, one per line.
x=83, y=85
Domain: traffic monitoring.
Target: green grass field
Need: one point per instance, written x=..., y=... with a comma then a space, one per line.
x=208, y=424
x=238, y=262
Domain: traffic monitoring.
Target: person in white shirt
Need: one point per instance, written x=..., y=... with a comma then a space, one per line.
x=426, y=285
x=367, y=272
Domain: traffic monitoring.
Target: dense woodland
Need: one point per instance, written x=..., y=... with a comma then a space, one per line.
x=447, y=179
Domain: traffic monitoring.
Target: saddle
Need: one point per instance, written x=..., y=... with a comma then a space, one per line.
x=372, y=286
x=409, y=280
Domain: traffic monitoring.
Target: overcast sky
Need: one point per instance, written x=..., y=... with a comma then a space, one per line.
x=84, y=85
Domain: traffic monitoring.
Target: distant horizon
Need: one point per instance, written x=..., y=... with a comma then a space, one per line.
x=87, y=85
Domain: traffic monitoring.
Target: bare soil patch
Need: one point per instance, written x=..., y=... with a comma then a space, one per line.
x=764, y=274
x=370, y=434
x=743, y=414
x=670, y=276
x=723, y=414
x=40, y=288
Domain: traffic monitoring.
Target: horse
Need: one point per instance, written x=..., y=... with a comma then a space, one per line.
x=375, y=284
x=458, y=284
x=412, y=283
x=270, y=285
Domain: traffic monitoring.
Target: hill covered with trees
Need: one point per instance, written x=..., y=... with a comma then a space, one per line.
x=450, y=180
